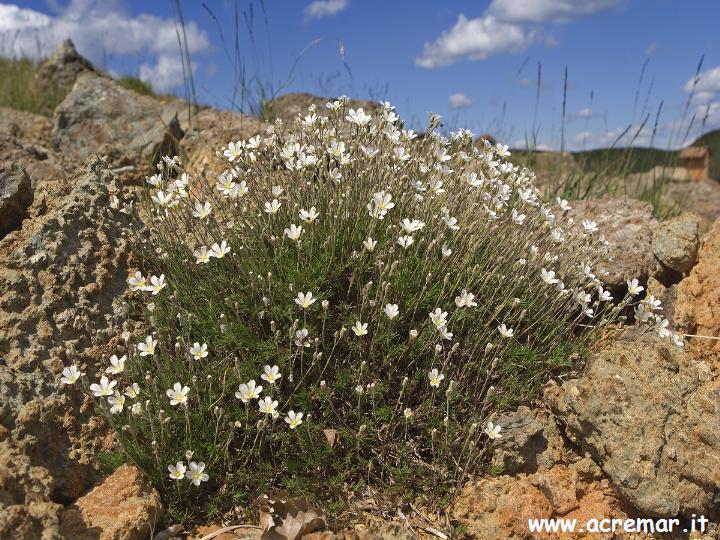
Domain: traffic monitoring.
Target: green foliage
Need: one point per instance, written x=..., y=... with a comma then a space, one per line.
x=136, y=85
x=457, y=237
x=109, y=461
x=18, y=90
x=711, y=139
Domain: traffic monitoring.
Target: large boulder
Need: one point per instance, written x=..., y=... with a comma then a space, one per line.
x=98, y=116
x=697, y=309
x=627, y=224
x=59, y=72
x=648, y=413
x=39, y=163
x=210, y=131
x=498, y=508
x=124, y=506
x=675, y=242
x=26, y=127
x=60, y=275
x=16, y=195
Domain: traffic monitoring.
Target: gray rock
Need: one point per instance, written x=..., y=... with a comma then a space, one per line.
x=627, y=224
x=59, y=72
x=675, y=242
x=16, y=195
x=530, y=442
x=648, y=414
x=98, y=116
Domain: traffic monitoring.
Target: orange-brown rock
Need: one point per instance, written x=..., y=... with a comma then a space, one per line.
x=123, y=507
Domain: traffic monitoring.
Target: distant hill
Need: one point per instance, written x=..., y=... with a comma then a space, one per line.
x=711, y=139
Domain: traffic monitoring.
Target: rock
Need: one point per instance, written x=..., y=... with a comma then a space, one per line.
x=647, y=413
x=702, y=198
x=39, y=163
x=59, y=72
x=675, y=242
x=499, y=507
x=26, y=511
x=59, y=277
x=210, y=131
x=287, y=107
x=627, y=224
x=531, y=441
x=26, y=127
x=98, y=116
x=16, y=195
x=698, y=297
x=124, y=506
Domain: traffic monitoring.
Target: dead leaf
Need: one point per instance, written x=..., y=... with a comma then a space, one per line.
x=332, y=436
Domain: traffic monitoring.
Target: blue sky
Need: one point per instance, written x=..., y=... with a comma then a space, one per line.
x=473, y=62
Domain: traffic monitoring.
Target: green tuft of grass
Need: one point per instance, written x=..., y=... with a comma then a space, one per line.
x=136, y=85
x=18, y=91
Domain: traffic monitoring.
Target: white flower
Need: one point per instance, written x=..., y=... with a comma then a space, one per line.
x=661, y=327
x=391, y=310
x=305, y=300
x=336, y=149
x=677, y=340
x=652, y=303
x=548, y=276
x=132, y=391
x=435, y=377
x=198, y=352
x=370, y=244
x=589, y=226
x=195, y=474
x=248, y=391
x=136, y=409
x=117, y=365
x=117, y=402
x=293, y=419
x=202, y=255
x=634, y=287
x=271, y=374
x=225, y=184
x=71, y=375
x=294, y=232
x=301, y=338
x=358, y=117
x=147, y=348
x=360, y=328
x=465, y=299
x=202, y=210
x=309, y=215
x=407, y=413
x=177, y=471
x=406, y=241
x=446, y=251
x=137, y=282
x=439, y=318
x=492, y=431
x=233, y=151
x=380, y=204
x=563, y=204
x=157, y=284
x=603, y=295
x=105, y=388
x=641, y=313
x=267, y=405
x=517, y=218
x=219, y=251
x=178, y=394
x=505, y=331
x=411, y=226
x=272, y=207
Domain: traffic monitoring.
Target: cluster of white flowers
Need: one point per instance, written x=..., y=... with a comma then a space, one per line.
x=369, y=264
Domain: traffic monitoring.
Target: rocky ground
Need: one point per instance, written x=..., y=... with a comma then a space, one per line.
x=635, y=433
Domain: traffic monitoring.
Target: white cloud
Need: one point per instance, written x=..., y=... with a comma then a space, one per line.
x=100, y=30
x=707, y=81
x=475, y=39
x=325, y=8
x=165, y=74
x=585, y=112
x=459, y=101
x=536, y=11
x=507, y=26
